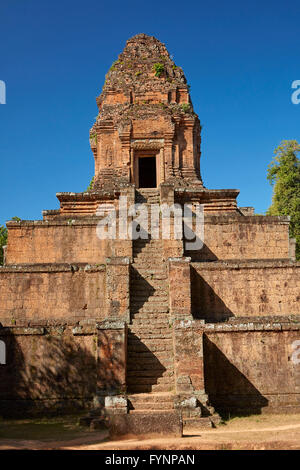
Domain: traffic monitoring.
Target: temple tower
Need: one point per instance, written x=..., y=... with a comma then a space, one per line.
x=153, y=329
x=146, y=132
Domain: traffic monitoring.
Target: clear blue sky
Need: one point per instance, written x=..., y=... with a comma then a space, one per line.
x=239, y=57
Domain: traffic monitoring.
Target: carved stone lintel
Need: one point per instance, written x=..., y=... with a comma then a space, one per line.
x=147, y=144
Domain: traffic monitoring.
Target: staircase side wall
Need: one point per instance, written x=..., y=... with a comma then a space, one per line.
x=188, y=358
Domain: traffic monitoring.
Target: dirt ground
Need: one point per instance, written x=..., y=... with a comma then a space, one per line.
x=257, y=432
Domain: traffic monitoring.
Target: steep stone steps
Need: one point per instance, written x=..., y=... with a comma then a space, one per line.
x=161, y=356
x=149, y=314
x=147, y=196
x=146, y=335
x=157, y=317
x=141, y=266
x=149, y=274
x=147, y=370
x=155, y=328
x=140, y=320
x=147, y=380
x=156, y=299
x=148, y=388
x=147, y=243
x=150, y=345
x=155, y=346
x=144, y=275
x=149, y=288
x=146, y=366
x=149, y=309
x=156, y=257
x=139, y=348
x=151, y=401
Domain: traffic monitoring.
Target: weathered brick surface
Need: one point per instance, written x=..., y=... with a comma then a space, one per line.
x=146, y=424
x=55, y=242
x=179, y=275
x=111, y=357
x=61, y=368
x=117, y=288
x=244, y=237
x=188, y=358
x=252, y=371
x=221, y=290
x=47, y=372
x=51, y=291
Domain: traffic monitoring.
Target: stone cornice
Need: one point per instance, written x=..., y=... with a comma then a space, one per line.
x=246, y=264
x=52, y=268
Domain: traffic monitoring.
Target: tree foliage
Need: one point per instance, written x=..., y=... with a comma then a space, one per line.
x=284, y=176
x=90, y=186
x=3, y=238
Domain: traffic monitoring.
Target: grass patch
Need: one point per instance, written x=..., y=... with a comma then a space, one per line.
x=44, y=429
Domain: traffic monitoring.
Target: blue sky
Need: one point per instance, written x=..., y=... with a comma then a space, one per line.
x=239, y=57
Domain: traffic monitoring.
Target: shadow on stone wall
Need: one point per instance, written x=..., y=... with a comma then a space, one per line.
x=140, y=291
x=229, y=390
x=206, y=304
x=205, y=254
x=46, y=375
x=143, y=369
x=111, y=369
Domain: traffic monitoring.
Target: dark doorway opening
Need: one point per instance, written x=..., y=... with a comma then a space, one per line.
x=147, y=172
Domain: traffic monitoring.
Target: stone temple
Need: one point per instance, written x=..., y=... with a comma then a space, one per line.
x=146, y=330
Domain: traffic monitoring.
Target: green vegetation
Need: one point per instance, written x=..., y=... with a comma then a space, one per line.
x=186, y=107
x=284, y=176
x=113, y=66
x=158, y=69
x=94, y=136
x=3, y=241
x=3, y=238
x=58, y=428
x=90, y=186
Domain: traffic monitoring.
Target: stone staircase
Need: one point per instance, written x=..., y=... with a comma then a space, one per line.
x=159, y=402
x=150, y=346
x=150, y=356
x=147, y=196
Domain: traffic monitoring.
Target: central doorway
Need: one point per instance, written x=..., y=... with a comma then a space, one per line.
x=147, y=172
